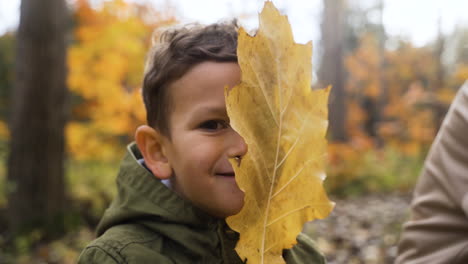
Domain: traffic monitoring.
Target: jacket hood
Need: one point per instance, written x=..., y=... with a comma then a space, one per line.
x=145, y=200
x=144, y=203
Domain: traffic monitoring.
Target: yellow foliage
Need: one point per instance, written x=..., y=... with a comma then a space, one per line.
x=462, y=72
x=4, y=131
x=106, y=65
x=284, y=124
x=408, y=104
x=82, y=139
x=393, y=109
x=446, y=95
x=344, y=163
x=363, y=67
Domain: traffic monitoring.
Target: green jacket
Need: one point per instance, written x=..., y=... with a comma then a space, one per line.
x=149, y=223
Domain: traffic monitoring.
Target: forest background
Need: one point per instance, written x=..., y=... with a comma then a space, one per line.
x=388, y=100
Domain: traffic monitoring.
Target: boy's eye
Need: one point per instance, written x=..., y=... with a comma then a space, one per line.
x=213, y=125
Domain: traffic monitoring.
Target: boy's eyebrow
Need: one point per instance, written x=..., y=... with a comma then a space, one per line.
x=217, y=110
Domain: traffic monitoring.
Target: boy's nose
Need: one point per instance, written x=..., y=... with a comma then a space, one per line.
x=238, y=147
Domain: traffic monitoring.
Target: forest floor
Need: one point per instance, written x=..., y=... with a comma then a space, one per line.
x=362, y=229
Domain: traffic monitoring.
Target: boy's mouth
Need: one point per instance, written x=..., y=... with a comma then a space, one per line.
x=226, y=174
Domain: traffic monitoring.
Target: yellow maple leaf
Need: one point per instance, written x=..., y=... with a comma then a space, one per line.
x=284, y=124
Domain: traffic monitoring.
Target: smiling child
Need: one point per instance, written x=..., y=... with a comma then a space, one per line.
x=176, y=184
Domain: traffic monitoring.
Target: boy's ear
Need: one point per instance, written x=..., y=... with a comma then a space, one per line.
x=150, y=143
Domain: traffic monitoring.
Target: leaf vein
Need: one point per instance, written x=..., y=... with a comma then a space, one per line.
x=273, y=178
x=292, y=179
x=294, y=144
x=268, y=249
x=262, y=88
x=287, y=214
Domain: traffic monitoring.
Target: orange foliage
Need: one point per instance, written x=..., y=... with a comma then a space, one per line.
x=4, y=131
x=106, y=63
x=406, y=100
x=461, y=73
x=363, y=67
x=404, y=95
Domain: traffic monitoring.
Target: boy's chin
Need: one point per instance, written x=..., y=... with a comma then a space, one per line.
x=236, y=210
x=230, y=210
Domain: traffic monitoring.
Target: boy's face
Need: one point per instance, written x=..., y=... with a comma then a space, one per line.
x=202, y=141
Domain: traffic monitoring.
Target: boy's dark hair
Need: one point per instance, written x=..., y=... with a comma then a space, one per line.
x=175, y=53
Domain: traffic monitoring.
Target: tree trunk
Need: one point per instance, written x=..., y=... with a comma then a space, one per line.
x=438, y=109
x=36, y=160
x=375, y=113
x=332, y=68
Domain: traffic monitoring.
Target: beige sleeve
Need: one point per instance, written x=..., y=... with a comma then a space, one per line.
x=438, y=229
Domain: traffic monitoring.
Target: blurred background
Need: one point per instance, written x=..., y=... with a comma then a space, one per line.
x=70, y=78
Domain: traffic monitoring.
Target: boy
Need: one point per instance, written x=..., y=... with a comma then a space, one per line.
x=176, y=184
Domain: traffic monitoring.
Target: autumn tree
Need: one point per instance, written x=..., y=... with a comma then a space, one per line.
x=7, y=42
x=106, y=63
x=332, y=69
x=440, y=80
x=36, y=160
x=458, y=53
x=417, y=90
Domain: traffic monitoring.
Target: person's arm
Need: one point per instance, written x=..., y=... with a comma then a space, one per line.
x=304, y=252
x=438, y=228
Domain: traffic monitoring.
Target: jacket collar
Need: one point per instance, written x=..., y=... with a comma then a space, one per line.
x=144, y=199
